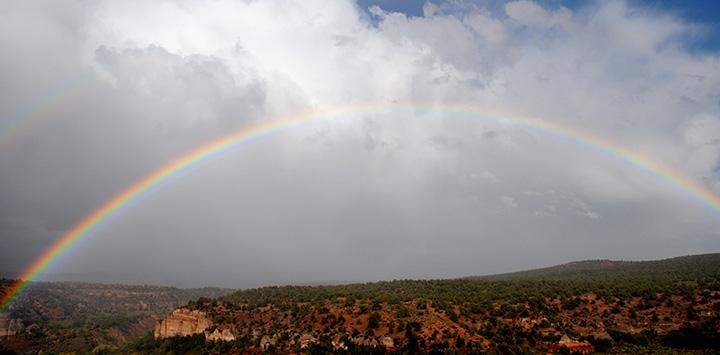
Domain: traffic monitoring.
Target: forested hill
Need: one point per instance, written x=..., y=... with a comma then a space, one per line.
x=663, y=306
x=608, y=278
x=692, y=267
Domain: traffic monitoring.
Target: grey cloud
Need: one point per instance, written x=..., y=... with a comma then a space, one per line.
x=378, y=194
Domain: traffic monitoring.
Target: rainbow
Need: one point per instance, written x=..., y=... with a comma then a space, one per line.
x=223, y=144
x=26, y=121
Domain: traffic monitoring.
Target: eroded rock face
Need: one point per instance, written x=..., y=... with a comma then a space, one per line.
x=387, y=342
x=217, y=335
x=306, y=340
x=182, y=322
x=267, y=341
x=574, y=346
x=10, y=327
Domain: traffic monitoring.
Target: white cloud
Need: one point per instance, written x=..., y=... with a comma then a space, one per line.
x=395, y=186
x=530, y=13
x=491, y=29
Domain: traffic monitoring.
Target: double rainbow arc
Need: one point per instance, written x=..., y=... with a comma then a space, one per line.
x=11, y=133
x=223, y=144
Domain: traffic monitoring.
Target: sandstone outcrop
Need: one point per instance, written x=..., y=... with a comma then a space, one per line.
x=573, y=346
x=10, y=327
x=267, y=341
x=182, y=322
x=217, y=335
x=306, y=340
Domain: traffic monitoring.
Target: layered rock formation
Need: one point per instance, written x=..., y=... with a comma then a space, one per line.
x=10, y=327
x=182, y=322
x=217, y=335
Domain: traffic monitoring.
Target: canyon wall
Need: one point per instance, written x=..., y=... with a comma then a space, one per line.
x=10, y=327
x=182, y=322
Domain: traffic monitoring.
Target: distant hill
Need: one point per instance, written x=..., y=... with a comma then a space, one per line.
x=689, y=267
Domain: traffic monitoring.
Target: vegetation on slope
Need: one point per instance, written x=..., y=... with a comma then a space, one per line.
x=73, y=316
x=667, y=306
x=601, y=305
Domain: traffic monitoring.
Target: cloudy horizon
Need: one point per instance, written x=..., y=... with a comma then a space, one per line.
x=96, y=95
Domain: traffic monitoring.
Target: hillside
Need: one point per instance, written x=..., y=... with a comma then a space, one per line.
x=664, y=306
x=692, y=267
x=72, y=316
x=608, y=306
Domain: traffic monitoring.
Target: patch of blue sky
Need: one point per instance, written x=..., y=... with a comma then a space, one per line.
x=705, y=14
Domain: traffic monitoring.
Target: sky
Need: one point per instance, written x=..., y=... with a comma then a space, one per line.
x=96, y=95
